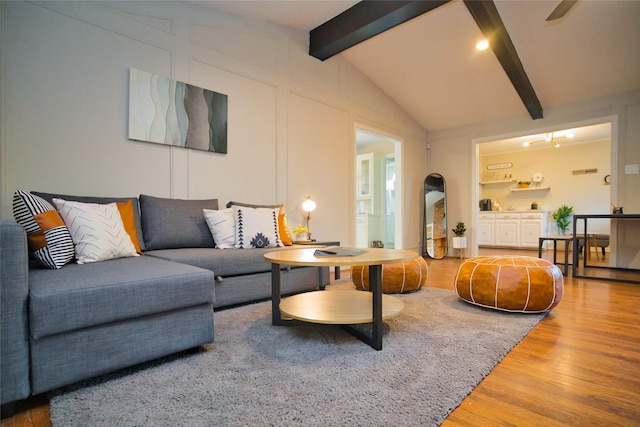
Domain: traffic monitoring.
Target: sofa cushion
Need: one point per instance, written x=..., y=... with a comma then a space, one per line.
x=222, y=225
x=84, y=295
x=122, y=206
x=256, y=227
x=128, y=220
x=283, y=228
x=223, y=263
x=283, y=223
x=175, y=223
x=97, y=231
x=48, y=237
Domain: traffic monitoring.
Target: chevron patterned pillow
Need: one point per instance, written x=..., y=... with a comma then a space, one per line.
x=97, y=231
x=222, y=225
x=49, y=239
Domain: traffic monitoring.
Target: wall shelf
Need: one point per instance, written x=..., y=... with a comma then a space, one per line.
x=530, y=189
x=498, y=182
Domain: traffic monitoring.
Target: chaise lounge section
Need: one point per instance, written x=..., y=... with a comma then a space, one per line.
x=63, y=325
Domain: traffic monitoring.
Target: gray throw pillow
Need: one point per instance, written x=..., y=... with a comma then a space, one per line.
x=175, y=223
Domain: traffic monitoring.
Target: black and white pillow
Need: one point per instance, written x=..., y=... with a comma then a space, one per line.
x=48, y=236
x=256, y=227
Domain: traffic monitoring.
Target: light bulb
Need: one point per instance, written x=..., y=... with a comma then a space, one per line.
x=482, y=45
x=308, y=205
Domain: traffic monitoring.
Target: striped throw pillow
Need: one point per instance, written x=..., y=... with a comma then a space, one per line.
x=48, y=237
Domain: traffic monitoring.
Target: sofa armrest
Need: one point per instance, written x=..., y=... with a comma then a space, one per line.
x=14, y=332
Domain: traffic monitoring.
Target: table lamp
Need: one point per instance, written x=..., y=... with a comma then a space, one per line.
x=308, y=206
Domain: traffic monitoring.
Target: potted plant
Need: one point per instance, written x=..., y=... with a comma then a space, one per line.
x=524, y=184
x=300, y=232
x=459, y=240
x=562, y=217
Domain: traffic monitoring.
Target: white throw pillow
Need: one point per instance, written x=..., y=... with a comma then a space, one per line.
x=97, y=231
x=222, y=225
x=256, y=227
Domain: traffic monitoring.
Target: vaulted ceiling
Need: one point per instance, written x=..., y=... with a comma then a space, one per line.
x=430, y=67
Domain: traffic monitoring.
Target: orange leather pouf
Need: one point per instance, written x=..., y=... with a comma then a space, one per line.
x=397, y=278
x=510, y=283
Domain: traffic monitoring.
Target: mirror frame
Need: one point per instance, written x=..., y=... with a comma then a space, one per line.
x=434, y=236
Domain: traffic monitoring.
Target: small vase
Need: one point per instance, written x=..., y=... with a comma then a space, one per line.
x=459, y=242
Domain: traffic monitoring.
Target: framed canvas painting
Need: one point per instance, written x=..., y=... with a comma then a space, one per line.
x=165, y=111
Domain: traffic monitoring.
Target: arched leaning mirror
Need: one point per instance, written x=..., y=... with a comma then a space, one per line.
x=434, y=235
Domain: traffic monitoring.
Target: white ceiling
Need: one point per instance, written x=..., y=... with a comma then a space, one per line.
x=299, y=14
x=580, y=135
x=430, y=67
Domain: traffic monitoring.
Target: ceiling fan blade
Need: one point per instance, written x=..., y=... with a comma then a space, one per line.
x=562, y=9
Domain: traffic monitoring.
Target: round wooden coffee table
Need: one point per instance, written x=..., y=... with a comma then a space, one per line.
x=347, y=308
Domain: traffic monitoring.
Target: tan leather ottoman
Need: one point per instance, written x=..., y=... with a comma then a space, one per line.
x=510, y=283
x=397, y=278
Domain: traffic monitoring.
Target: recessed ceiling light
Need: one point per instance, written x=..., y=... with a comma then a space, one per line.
x=482, y=45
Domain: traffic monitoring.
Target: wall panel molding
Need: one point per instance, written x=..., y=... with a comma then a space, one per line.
x=257, y=49
x=113, y=21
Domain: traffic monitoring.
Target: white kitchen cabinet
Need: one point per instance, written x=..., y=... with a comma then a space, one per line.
x=486, y=229
x=507, y=230
x=364, y=183
x=512, y=229
x=532, y=226
x=362, y=230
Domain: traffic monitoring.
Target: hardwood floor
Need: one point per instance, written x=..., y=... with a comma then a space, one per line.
x=579, y=366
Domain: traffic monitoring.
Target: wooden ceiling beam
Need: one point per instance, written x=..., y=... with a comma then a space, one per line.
x=488, y=19
x=369, y=18
x=363, y=21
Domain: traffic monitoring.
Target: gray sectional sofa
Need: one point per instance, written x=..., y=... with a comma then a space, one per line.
x=60, y=326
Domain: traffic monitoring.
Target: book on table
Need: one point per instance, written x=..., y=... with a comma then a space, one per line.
x=338, y=251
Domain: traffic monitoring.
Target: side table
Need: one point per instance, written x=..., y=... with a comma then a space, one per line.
x=556, y=238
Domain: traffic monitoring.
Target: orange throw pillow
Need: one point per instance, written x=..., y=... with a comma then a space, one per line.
x=283, y=228
x=126, y=212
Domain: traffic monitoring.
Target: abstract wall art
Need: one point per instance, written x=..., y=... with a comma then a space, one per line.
x=170, y=112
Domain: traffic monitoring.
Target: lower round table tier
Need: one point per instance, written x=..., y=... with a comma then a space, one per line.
x=337, y=307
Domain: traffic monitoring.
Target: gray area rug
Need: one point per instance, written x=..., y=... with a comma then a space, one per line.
x=255, y=374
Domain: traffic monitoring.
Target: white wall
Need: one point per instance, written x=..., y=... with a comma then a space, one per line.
x=452, y=151
x=64, y=84
x=585, y=192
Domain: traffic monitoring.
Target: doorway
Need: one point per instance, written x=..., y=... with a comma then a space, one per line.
x=378, y=185
x=567, y=165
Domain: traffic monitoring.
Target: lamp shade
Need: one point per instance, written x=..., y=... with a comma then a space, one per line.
x=308, y=205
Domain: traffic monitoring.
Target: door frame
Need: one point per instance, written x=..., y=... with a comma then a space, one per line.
x=475, y=181
x=397, y=153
